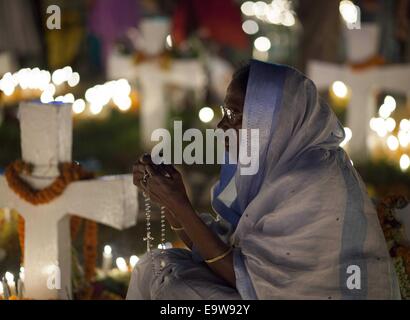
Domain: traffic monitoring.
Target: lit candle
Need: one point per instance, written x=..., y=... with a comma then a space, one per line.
x=107, y=259
x=121, y=264
x=20, y=288
x=6, y=290
x=10, y=282
x=1, y=289
x=133, y=261
x=21, y=274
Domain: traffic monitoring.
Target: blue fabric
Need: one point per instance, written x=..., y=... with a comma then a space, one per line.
x=243, y=281
x=262, y=100
x=353, y=234
x=227, y=174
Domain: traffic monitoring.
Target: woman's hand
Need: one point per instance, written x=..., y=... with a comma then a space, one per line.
x=163, y=183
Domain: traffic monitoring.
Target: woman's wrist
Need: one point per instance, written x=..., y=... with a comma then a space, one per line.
x=180, y=208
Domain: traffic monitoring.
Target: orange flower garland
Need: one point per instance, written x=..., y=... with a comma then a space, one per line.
x=90, y=248
x=20, y=231
x=69, y=172
x=75, y=223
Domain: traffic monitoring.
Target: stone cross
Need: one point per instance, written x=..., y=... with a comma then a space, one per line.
x=46, y=141
x=364, y=85
x=152, y=78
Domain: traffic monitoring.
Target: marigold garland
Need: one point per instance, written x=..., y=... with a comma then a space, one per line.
x=20, y=231
x=75, y=223
x=69, y=172
x=90, y=248
x=392, y=230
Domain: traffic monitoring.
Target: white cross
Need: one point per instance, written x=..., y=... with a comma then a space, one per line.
x=152, y=79
x=46, y=140
x=364, y=85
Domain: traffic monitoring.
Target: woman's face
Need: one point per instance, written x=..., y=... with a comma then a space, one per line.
x=232, y=110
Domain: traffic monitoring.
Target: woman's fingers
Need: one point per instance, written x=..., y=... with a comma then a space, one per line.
x=145, y=159
x=151, y=171
x=171, y=171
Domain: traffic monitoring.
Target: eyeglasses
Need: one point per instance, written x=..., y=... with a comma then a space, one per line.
x=232, y=116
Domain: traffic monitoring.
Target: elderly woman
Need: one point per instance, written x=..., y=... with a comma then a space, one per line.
x=302, y=227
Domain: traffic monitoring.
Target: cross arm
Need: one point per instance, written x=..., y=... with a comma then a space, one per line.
x=109, y=200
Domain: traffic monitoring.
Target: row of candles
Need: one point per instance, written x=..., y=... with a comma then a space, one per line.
x=31, y=83
x=120, y=262
x=10, y=287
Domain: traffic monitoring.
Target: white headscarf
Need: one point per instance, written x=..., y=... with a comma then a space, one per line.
x=305, y=227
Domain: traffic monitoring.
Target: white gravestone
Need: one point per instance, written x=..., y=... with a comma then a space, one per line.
x=185, y=73
x=46, y=140
x=152, y=79
x=364, y=85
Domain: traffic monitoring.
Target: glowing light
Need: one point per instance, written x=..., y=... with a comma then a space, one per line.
x=96, y=108
x=392, y=143
x=339, y=89
x=46, y=97
x=262, y=44
x=9, y=277
x=89, y=95
x=50, y=89
x=100, y=95
x=279, y=12
x=390, y=124
x=381, y=131
x=390, y=103
x=68, y=98
x=168, y=41
x=404, y=162
x=405, y=125
x=107, y=249
x=67, y=72
x=22, y=274
x=376, y=123
x=121, y=264
x=78, y=106
x=123, y=102
x=260, y=9
x=8, y=89
x=250, y=27
x=74, y=79
x=7, y=84
x=59, y=99
x=206, y=114
x=58, y=77
x=348, y=136
x=274, y=16
x=404, y=138
x=384, y=111
x=247, y=8
x=1, y=289
x=133, y=261
x=349, y=11
x=288, y=20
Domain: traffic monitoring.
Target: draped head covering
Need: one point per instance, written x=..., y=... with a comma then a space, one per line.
x=304, y=225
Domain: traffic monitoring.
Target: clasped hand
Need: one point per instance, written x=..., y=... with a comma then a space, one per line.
x=163, y=183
